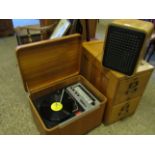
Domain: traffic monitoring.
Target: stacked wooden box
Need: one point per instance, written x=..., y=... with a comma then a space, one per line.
x=123, y=92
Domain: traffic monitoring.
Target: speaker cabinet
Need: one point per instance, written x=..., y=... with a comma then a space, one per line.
x=125, y=44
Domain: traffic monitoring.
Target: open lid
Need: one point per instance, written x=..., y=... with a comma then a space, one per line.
x=46, y=62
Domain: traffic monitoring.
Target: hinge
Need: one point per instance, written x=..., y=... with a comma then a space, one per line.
x=28, y=92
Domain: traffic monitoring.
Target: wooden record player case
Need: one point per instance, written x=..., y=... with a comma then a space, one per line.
x=53, y=64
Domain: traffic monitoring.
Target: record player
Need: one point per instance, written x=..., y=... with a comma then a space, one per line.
x=62, y=100
x=64, y=104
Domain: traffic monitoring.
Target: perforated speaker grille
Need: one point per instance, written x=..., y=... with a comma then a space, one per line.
x=122, y=49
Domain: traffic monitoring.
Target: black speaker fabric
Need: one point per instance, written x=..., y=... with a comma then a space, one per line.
x=122, y=49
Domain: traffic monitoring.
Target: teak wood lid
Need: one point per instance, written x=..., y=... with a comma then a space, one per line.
x=45, y=62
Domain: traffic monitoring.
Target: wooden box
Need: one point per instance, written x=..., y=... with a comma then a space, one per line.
x=117, y=87
x=50, y=65
x=120, y=111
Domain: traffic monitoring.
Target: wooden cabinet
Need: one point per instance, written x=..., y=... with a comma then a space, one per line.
x=6, y=27
x=131, y=87
x=117, y=87
x=120, y=111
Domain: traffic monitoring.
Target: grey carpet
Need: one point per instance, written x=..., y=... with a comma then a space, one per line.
x=15, y=114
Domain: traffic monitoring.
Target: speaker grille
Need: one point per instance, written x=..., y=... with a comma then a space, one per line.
x=122, y=49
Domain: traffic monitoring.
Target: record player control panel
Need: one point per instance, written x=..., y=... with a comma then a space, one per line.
x=86, y=99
